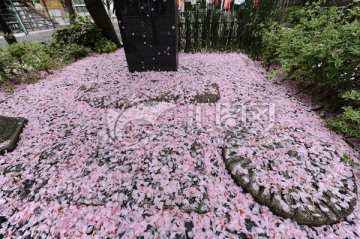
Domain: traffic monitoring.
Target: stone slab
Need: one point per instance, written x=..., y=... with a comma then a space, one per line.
x=10, y=130
x=289, y=177
x=101, y=95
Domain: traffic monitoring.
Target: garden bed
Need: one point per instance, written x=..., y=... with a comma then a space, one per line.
x=74, y=173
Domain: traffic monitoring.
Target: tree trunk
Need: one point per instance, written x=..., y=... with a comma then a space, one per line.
x=97, y=11
x=8, y=34
x=71, y=11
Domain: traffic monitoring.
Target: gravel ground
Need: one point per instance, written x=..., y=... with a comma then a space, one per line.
x=85, y=169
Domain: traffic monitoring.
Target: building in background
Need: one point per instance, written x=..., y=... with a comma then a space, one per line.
x=80, y=8
x=25, y=15
x=55, y=10
x=58, y=12
x=22, y=16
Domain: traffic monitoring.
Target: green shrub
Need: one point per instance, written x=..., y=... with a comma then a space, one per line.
x=324, y=47
x=7, y=68
x=104, y=45
x=23, y=62
x=320, y=45
x=82, y=32
x=74, y=52
x=349, y=120
x=68, y=53
x=34, y=55
x=294, y=15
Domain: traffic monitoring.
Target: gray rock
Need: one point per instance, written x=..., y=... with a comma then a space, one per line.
x=10, y=130
x=329, y=209
x=211, y=94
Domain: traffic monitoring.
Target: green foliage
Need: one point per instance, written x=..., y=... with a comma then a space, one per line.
x=271, y=39
x=82, y=32
x=68, y=53
x=346, y=159
x=22, y=62
x=105, y=46
x=321, y=45
x=353, y=95
x=324, y=46
x=293, y=15
x=349, y=121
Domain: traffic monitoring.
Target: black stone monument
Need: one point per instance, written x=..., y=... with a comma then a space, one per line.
x=149, y=33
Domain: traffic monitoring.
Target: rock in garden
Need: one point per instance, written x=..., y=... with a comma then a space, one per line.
x=210, y=95
x=115, y=94
x=297, y=178
x=10, y=130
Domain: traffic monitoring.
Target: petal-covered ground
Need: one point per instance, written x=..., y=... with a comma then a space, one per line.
x=298, y=179
x=79, y=173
